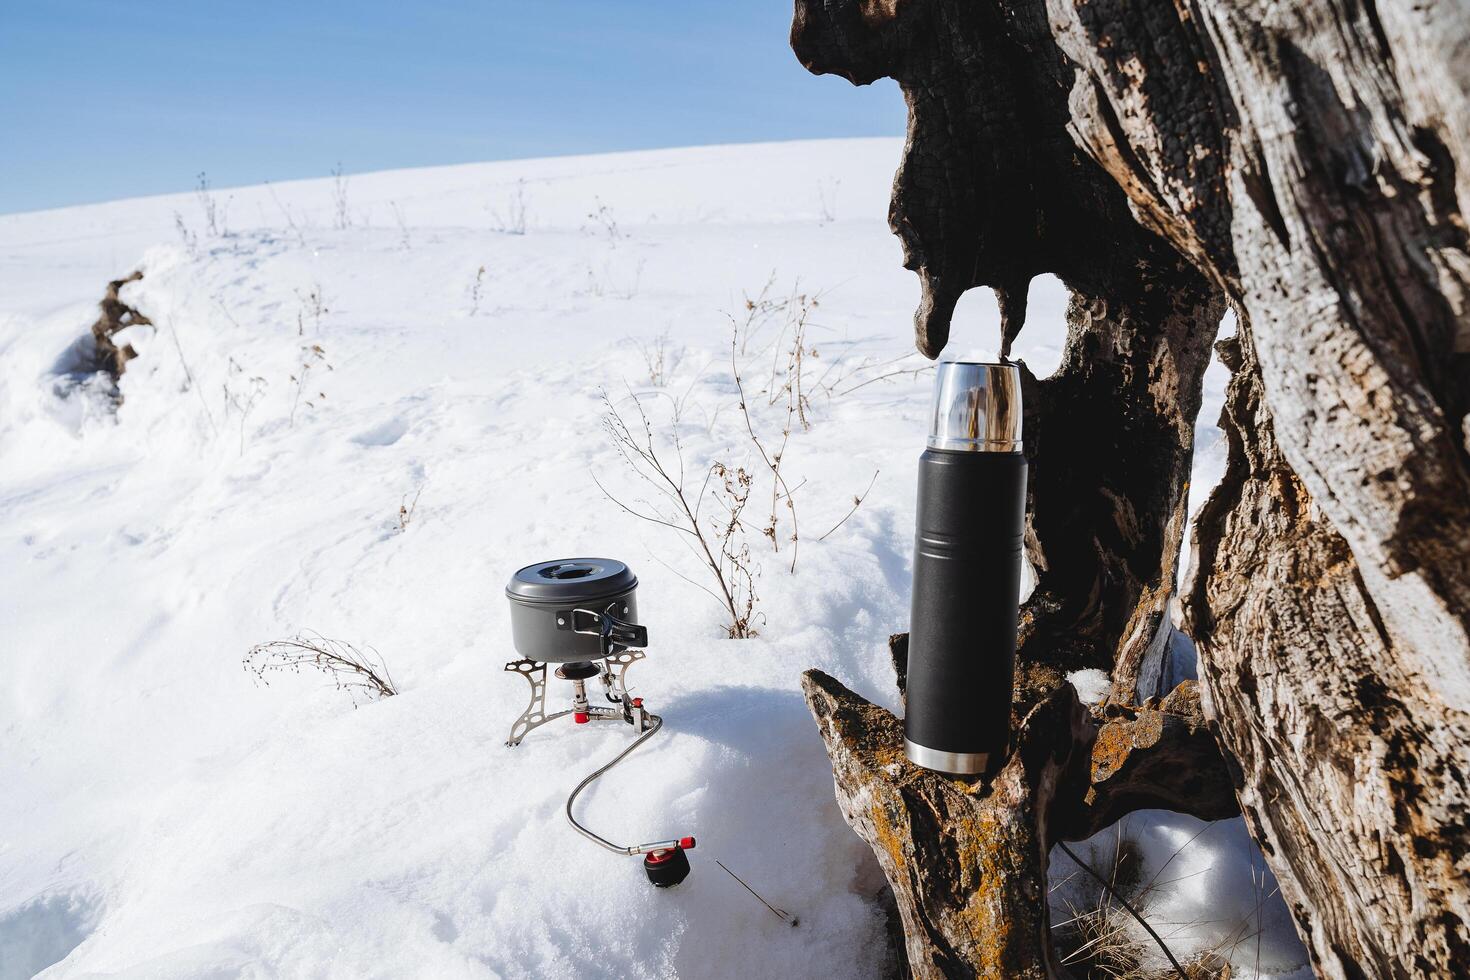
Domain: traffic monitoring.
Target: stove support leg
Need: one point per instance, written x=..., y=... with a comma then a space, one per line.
x=535, y=714
x=615, y=674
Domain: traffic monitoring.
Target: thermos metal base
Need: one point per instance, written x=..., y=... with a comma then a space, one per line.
x=954, y=763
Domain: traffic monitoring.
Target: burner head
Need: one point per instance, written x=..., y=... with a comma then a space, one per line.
x=542, y=597
x=578, y=670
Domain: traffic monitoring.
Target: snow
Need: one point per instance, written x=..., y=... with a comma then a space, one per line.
x=163, y=815
x=1092, y=684
x=1203, y=887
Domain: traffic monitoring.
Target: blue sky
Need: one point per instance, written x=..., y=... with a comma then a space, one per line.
x=100, y=100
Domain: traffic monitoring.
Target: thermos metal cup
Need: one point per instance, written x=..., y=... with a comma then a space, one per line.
x=967, y=572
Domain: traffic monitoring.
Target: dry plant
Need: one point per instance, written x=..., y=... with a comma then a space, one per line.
x=312, y=355
x=601, y=220
x=857, y=501
x=790, y=350
x=404, y=242
x=843, y=376
x=475, y=288
x=340, y=217
x=190, y=240
x=781, y=492
x=219, y=304
x=286, y=214
x=786, y=382
x=655, y=359
x=605, y=281
x=788, y=386
x=513, y=221
x=1098, y=940
x=827, y=199
x=189, y=381
x=406, y=508
x=241, y=395
x=313, y=305
x=758, y=310
x=363, y=674
x=717, y=541
x=787, y=379
x=214, y=213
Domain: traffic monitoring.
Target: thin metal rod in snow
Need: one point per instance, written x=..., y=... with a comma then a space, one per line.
x=362, y=673
x=781, y=914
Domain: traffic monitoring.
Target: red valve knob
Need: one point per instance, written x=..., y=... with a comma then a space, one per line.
x=686, y=842
x=637, y=702
x=580, y=717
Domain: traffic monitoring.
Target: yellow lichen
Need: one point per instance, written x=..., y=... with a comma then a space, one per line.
x=891, y=843
x=1114, y=742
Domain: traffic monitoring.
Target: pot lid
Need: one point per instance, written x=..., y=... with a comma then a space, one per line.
x=571, y=580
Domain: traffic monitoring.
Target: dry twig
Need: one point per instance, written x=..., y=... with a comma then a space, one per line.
x=311, y=355
x=407, y=507
x=781, y=492
x=856, y=503
x=718, y=543
x=475, y=288
x=361, y=673
x=242, y=401
x=404, y=240
x=340, y=216
x=655, y=358
x=1098, y=941
x=513, y=221
x=286, y=213
x=209, y=206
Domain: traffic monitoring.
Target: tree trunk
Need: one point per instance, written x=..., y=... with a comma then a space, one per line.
x=1354, y=770
x=1311, y=163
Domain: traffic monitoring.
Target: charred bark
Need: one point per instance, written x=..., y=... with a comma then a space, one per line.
x=1110, y=439
x=1307, y=162
x=992, y=192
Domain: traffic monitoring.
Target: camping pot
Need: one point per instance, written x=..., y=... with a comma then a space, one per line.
x=967, y=572
x=574, y=609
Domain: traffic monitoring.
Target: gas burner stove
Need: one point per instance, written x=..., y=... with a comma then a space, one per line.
x=579, y=614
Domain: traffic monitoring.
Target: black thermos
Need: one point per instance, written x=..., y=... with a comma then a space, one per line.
x=967, y=571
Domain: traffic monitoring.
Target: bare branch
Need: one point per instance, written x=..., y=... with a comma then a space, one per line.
x=361, y=673
x=856, y=503
x=720, y=545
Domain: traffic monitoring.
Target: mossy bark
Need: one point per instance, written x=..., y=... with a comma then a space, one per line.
x=967, y=859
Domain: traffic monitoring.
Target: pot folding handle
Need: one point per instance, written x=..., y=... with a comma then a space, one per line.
x=614, y=631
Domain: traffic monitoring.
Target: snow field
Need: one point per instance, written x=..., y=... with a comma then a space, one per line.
x=164, y=816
